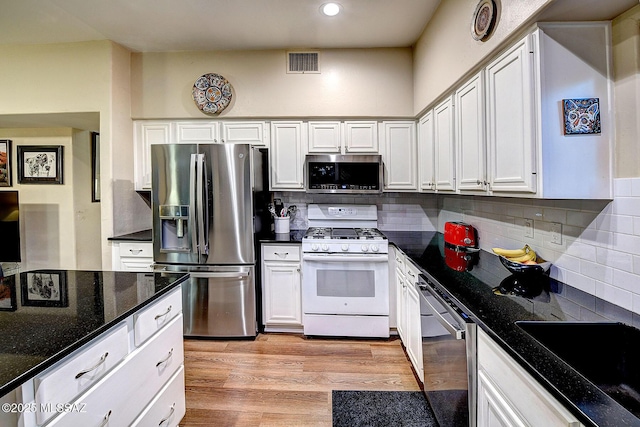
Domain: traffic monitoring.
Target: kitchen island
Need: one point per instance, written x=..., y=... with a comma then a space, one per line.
x=98, y=321
x=477, y=290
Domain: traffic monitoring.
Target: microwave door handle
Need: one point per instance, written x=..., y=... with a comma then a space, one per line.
x=202, y=206
x=193, y=214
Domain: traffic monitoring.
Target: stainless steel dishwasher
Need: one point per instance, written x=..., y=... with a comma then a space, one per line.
x=449, y=342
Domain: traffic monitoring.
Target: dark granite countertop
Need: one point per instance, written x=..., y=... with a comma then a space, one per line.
x=496, y=314
x=295, y=236
x=36, y=333
x=138, y=236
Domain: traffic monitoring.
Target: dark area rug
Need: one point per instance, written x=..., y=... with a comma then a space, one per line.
x=381, y=408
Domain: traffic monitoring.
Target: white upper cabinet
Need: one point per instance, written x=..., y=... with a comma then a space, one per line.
x=197, y=132
x=286, y=156
x=325, y=137
x=254, y=133
x=361, y=137
x=511, y=119
x=426, y=153
x=399, y=155
x=470, y=134
x=531, y=150
x=145, y=134
x=444, y=141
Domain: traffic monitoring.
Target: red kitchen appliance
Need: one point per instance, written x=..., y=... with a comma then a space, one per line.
x=460, y=234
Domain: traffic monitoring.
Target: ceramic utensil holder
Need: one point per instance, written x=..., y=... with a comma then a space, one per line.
x=282, y=225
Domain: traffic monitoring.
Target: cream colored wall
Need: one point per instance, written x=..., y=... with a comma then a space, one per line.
x=47, y=217
x=352, y=83
x=626, y=49
x=446, y=53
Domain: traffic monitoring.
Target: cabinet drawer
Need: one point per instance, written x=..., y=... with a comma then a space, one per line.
x=281, y=252
x=168, y=407
x=148, y=321
x=136, y=249
x=123, y=394
x=79, y=372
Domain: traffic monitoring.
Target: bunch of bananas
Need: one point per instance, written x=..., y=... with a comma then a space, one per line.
x=524, y=255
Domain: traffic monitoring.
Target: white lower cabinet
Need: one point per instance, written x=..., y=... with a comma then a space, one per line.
x=132, y=256
x=509, y=396
x=281, y=288
x=114, y=382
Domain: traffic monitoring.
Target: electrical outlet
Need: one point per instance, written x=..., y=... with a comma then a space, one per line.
x=556, y=233
x=528, y=227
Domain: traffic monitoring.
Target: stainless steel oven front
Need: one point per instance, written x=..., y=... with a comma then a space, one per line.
x=345, y=294
x=449, y=342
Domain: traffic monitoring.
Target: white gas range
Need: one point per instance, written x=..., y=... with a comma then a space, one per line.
x=345, y=285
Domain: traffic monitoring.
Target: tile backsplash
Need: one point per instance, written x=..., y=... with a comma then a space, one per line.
x=599, y=247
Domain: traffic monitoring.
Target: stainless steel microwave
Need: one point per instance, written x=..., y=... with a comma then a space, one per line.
x=350, y=173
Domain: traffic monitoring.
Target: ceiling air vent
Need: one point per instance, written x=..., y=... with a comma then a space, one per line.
x=303, y=62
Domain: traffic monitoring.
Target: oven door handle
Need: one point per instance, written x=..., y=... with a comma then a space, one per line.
x=345, y=258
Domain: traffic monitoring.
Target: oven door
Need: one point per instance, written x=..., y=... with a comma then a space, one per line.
x=351, y=284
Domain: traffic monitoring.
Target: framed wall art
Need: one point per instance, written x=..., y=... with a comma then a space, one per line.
x=8, y=294
x=44, y=288
x=40, y=164
x=581, y=116
x=5, y=163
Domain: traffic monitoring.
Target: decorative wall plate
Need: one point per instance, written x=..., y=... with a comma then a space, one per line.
x=483, y=20
x=211, y=93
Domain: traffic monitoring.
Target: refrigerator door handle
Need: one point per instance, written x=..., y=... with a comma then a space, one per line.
x=202, y=205
x=193, y=214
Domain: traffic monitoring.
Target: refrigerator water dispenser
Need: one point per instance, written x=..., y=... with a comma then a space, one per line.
x=174, y=220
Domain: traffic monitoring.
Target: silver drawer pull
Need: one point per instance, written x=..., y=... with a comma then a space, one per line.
x=163, y=314
x=105, y=420
x=164, y=420
x=282, y=254
x=165, y=359
x=94, y=367
x=135, y=251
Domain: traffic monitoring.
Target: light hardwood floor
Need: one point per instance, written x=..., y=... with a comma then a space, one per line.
x=285, y=380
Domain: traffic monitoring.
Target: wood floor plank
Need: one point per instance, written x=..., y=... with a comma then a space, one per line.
x=285, y=379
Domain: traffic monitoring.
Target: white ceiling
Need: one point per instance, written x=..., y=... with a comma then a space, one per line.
x=172, y=25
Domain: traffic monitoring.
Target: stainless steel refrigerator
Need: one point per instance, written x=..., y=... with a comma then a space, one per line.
x=203, y=223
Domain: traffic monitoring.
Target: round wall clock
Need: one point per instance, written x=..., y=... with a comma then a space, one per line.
x=211, y=93
x=483, y=20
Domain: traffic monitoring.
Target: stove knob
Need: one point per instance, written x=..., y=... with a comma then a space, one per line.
x=345, y=247
x=314, y=247
x=325, y=247
x=365, y=248
x=374, y=248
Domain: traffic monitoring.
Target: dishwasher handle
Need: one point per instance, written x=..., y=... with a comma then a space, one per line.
x=455, y=328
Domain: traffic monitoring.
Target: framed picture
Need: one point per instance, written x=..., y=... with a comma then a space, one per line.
x=5, y=163
x=8, y=294
x=95, y=166
x=40, y=164
x=44, y=288
x=581, y=116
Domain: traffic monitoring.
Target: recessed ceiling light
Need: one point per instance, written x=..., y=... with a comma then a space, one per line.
x=330, y=9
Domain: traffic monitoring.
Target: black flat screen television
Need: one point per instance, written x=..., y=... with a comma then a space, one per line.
x=9, y=227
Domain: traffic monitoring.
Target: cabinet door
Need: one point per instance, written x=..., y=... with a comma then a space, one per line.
x=201, y=132
x=401, y=294
x=286, y=156
x=145, y=134
x=361, y=137
x=493, y=409
x=325, y=137
x=426, y=153
x=414, y=331
x=399, y=156
x=443, y=127
x=511, y=119
x=281, y=293
x=470, y=134
x=254, y=133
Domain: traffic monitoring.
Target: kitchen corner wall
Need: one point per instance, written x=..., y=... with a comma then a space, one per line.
x=396, y=211
x=600, y=248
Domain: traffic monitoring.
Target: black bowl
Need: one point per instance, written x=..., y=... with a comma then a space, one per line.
x=541, y=267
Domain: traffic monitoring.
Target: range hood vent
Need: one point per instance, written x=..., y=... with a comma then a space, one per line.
x=303, y=62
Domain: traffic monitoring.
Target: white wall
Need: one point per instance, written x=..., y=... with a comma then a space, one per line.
x=352, y=82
